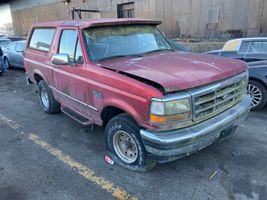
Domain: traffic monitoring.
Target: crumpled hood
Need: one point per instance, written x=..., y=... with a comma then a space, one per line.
x=177, y=71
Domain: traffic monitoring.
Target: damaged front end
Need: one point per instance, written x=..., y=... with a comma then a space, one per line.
x=143, y=80
x=201, y=117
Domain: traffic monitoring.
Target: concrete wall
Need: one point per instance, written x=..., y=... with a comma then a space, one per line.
x=195, y=18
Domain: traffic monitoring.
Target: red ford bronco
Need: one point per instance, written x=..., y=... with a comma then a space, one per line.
x=157, y=104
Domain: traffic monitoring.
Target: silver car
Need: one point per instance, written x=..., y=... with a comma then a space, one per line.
x=13, y=54
x=4, y=42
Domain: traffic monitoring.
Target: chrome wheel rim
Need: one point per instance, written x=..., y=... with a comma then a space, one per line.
x=125, y=147
x=255, y=95
x=44, y=98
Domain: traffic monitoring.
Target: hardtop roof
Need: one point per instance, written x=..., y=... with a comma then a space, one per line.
x=249, y=39
x=97, y=22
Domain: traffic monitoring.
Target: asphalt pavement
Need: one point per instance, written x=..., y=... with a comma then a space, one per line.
x=53, y=157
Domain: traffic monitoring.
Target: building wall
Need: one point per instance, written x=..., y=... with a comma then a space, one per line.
x=189, y=18
x=264, y=18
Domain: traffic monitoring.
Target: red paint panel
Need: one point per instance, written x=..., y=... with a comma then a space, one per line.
x=178, y=71
x=90, y=84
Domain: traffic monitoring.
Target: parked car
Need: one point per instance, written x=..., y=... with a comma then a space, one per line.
x=1, y=69
x=13, y=54
x=1, y=62
x=156, y=104
x=4, y=42
x=14, y=39
x=177, y=46
x=253, y=51
x=246, y=49
x=257, y=86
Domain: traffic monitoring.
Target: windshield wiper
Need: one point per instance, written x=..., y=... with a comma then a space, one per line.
x=121, y=56
x=134, y=55
x=157, y=50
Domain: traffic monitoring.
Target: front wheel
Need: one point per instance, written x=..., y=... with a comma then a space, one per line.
x=258, y=94
x=125, y=145
x=46, y=99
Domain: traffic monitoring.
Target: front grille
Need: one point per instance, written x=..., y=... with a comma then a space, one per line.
x=210, y=101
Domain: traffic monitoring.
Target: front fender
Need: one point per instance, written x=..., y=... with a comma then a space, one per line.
x=139, y=116
x=259, y=73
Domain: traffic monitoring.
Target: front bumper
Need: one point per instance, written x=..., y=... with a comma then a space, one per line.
x=170, y=145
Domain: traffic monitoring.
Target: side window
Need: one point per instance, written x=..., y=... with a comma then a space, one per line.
x=69, y=44
x=41, y=39
x=78, y=54
x=258, y=47
x=20, y=47
x=125, y=10
x=11, y=46
x=244, y=47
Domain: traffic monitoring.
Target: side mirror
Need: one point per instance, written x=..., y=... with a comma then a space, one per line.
x=61, y=59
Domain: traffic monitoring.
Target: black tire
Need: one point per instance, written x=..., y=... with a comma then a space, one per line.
x=263, y=92
x=7, y=63
x=52, y=105
x=125, y=123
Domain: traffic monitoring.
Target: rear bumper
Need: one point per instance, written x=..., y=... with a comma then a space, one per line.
x=170, y=145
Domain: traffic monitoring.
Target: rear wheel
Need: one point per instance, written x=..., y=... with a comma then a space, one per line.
x=46, y=99
x=258, y=94
x=7, y=63
x=125, y=145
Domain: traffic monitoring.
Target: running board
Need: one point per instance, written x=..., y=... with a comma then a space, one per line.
x=76, y=116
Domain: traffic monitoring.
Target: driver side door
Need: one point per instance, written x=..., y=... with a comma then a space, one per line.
x=71, y=85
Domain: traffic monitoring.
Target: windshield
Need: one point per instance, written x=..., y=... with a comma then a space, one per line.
x=4, y=43
x=118, y=41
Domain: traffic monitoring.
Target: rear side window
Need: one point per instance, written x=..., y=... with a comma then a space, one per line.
x=244, y=47
x=42, y=38
x=258, y=47
x=11, y=46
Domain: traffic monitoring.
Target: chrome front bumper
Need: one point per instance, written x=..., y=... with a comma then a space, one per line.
x=170, y=145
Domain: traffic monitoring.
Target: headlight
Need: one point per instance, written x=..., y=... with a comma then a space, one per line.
x=170, y=111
